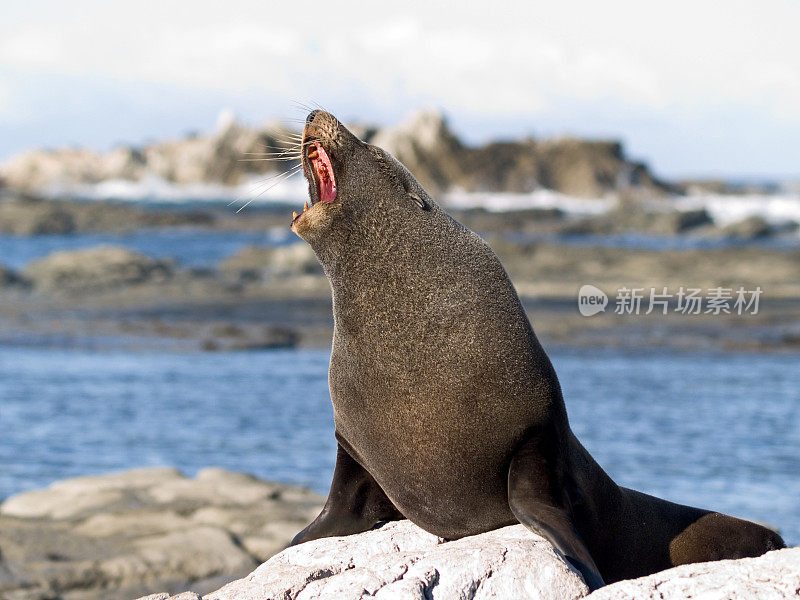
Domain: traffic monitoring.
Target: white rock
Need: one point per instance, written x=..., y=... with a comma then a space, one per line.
x=424, y=130
x=81, y=495
x=400, y=561
x=774, y=576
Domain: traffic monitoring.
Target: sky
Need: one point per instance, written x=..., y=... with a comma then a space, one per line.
x=693, y=87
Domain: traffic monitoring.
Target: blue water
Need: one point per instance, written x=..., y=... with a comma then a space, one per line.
x=198, y=247
x=189, y=246
x=720, y=431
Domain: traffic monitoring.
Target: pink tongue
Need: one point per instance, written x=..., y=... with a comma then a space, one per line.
x=327, y=191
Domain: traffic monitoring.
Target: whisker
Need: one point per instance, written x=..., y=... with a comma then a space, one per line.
x=272, y=158
x=267, y=181
x=287, y=176
x=269, y=158
x=286, y=153
x=302, y=106
x=279, y=148
x=295, y=146
x=290, y=139
x=266, y=153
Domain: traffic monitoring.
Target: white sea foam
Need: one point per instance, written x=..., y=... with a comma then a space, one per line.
x=501, y=202
x=261, y=189
x=774, y=208
x=777, y=208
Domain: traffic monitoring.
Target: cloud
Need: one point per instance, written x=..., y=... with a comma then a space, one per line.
x=685, y=61
x=5, y=99
x=410, y=57
x=526, y=56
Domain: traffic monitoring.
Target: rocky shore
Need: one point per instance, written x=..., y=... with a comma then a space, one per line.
x=129, y=534
x=262, y=297
x=118, y=536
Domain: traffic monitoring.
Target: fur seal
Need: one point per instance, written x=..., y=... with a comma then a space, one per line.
x=447, y=409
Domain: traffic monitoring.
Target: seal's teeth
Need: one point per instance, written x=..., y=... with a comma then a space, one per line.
x=305, y=208
x=312, y=153
x=294, y=215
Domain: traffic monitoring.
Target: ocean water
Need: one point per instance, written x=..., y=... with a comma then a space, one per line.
x=197, y=247
x=188, y=246
x=720, y=431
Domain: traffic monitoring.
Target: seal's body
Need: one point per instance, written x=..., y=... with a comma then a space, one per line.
x=447, y=409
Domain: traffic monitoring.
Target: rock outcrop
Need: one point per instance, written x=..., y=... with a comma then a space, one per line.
x=122, y=535
x=9, y=278
x=399, y=561
x=426, y=145
x=258, y=262
x=633, y=216
x=749, y=228
x=118, y=536
x=224, y=156
x=101, y=267
x=35, y=216
x=774, y=576
x=423, y=142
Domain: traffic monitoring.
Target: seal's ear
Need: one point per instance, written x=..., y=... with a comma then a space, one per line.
x=411, y=191
x=421, y=202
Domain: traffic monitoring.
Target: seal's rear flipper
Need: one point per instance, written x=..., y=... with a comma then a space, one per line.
x=355, y=503
x=541, y=509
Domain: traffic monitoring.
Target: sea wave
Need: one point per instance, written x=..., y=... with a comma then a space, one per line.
x=502, y=202
x=261, y=189
x=777, y=209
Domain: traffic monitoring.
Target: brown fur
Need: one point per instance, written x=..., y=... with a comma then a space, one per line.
x=447, y=409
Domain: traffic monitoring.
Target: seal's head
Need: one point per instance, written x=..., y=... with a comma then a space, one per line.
x=348, y=180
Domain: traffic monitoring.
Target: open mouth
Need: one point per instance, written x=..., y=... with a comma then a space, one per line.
x=319, y=170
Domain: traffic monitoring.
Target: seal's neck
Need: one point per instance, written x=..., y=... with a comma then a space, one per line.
x=382, y=244
x=413, y=270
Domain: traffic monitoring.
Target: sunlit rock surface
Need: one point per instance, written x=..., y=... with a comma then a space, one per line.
x=774, y=576
x=118, y=536
x=399, y=561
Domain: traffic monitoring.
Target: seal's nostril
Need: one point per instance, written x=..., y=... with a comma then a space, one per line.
x=311, y=116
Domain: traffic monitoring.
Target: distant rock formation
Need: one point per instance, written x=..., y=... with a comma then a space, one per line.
x=94, y=268
x=9, y=278
x=261, y=263
x=34, y=216
x=630, y=215
x=423, y=142
x=224, y=156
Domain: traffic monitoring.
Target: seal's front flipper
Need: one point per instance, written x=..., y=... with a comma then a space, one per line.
x=355, y=503
x=545, y=510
